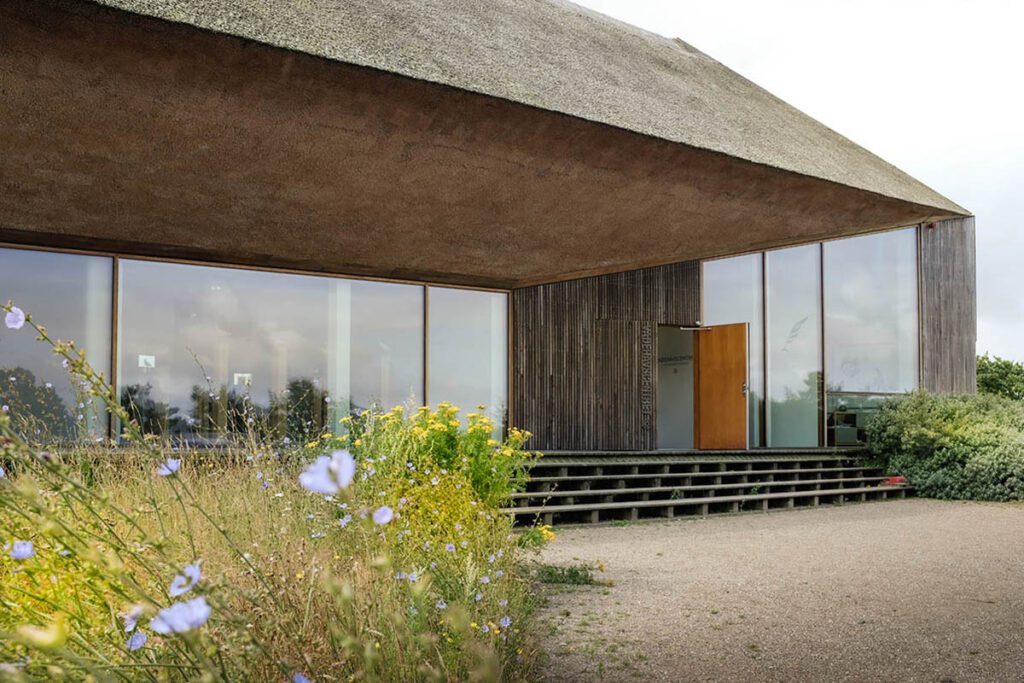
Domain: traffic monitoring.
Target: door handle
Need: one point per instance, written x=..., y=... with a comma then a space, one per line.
x=745, y=390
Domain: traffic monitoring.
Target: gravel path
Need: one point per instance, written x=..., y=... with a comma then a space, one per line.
x=911, y=590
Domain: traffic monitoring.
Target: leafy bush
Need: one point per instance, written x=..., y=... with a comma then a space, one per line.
x=1001, y=377
x=375, y=555
x=961, y=447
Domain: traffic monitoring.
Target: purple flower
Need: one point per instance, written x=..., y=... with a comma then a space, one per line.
x=344, y=521
x=441, y=604
x=498, y=574
x=137, y=640
x=450, y=547
x=299, y=678
x=485, y=579
x=329, y=474
x=15, y=318
x=478, y=597
x=383, y=515
x=22, y=550
x=168, y=467
x=502, y=602
x=181, y=616
x=183, y=584
x=505, y=622
x=132, y=618
x=2, y=473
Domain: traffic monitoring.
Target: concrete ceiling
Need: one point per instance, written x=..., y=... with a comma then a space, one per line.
x=132, y=134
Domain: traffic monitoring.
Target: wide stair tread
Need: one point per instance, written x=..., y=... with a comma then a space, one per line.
x=569, y=493
x=713, y=473
x=703, y=500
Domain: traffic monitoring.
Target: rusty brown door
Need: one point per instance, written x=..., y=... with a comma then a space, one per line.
x=722, y=386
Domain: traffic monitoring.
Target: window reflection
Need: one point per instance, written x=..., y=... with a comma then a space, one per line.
x=69, y=295
x=732, y=294
x=468, y=350
x=871, y=309
x=206, y=351
x=793, y=278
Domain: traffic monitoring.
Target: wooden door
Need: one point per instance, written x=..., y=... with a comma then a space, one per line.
x=722, y=386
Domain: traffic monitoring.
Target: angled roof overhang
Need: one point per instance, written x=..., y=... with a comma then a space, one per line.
x=376, y=146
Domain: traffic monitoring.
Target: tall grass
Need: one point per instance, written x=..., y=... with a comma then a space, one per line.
x=409, y=572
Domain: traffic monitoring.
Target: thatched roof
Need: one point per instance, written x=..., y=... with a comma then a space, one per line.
x=558, y=56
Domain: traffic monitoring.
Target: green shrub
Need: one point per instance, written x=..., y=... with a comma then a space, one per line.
x=1001, y=377
x=960, y=447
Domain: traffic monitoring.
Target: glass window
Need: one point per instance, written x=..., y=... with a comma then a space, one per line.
x=871, y=313
x=732, y=294
x=208, y=351
x=793, y=305
x=70, y=295
x=468, y=350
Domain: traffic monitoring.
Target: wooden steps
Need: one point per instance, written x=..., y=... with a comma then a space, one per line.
x=603, y=487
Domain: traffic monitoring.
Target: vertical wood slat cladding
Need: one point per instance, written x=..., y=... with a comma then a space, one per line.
x=584, y=356
x=948, y=292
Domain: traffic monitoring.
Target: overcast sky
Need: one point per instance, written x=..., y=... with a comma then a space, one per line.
x=932, y=86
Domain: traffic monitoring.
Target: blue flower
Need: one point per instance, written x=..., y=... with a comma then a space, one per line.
x=478, y=597
x=485, y=579
x=441, y=604
x=329, y=474
x=132, y=618
x=22, y=550
x=344, y=521
x=181, y=616
x=299, y=678
x=450, y=547
x=383, y=515
x=498, y=574
x=505, y=622
x=502, y=602
x=137, y=640
x=168, y=467
x=183, y=584
x=15, y=318
x=2, y=473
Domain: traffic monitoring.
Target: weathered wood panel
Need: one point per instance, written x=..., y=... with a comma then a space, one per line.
x=948, y=295
x=584, y=357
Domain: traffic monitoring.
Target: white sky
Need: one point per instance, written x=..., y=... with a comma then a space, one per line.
x=935, y=87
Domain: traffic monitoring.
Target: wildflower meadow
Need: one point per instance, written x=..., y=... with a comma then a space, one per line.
x=374, y=551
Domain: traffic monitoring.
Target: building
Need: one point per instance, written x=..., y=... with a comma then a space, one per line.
x=602, y=235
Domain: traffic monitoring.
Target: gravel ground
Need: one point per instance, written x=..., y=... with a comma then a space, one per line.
x=912, y=590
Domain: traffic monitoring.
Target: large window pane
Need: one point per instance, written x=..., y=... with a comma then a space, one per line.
x=793, y=304
x=386, y=345
x=871, y=313
x=209, y=351
x=732, y=294
x=468, y=352
x=69, y=295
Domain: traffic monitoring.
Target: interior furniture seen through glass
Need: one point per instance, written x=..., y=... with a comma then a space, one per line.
x=71, y=296
x=871, y=326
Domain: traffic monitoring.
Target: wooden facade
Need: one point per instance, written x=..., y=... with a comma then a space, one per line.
x=583, y=355
x=948, y=298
